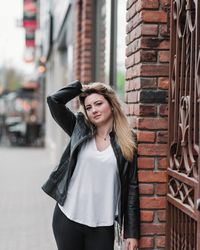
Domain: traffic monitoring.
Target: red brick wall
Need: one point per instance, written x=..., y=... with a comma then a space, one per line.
x=147, y=73
x=77, y=46
x=83, y=41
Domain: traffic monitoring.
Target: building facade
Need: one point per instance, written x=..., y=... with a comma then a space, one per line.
x=127, y=44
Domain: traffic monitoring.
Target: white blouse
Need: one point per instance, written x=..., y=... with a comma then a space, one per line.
x=94, y=189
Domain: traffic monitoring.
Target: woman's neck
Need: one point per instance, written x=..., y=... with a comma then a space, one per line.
x=104, y=131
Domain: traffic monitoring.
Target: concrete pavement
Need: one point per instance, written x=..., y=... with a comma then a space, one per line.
x=25, y=210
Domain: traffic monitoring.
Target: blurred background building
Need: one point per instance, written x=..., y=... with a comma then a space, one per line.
x=74, y=40
x=22, y=95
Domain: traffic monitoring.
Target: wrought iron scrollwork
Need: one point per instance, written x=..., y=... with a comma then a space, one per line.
x=185, y=90
x=182, y=192
x=184, y=123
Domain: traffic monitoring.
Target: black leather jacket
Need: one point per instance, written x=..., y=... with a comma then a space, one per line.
x=79, y=131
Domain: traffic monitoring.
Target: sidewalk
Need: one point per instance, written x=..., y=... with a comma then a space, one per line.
x=25, y=211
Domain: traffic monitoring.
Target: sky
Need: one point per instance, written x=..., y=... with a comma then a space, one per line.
x=12, y=35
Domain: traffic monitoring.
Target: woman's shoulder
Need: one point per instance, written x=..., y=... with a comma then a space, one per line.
x=79, y=114
x=81, y=119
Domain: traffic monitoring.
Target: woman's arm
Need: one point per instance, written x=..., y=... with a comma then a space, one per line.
x=57, y=105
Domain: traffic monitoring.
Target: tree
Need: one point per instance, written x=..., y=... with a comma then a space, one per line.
x=11, y=78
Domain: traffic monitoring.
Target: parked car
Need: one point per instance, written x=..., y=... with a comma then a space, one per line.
x=16, y=130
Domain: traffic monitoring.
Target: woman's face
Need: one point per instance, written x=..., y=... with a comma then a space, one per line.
x=98, y=110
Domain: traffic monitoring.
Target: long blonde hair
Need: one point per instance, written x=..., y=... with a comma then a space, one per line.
x=124, y=134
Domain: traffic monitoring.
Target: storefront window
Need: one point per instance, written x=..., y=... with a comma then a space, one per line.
x=121, y=47
x=109, y=49
x=102, y=45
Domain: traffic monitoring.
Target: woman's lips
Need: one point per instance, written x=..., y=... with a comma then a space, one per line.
x=96, y=116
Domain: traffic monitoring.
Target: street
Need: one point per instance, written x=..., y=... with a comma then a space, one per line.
x=25, y=210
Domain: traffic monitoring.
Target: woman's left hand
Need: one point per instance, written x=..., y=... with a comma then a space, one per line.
x=131, y=244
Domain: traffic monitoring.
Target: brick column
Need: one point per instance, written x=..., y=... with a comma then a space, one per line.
x=83, y=44
x=77, y=47
x=86, y=41
x=83, y=41
x=147, y=73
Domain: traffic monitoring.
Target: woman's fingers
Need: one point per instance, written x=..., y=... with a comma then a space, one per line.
x=85, y=86
x=131, y=244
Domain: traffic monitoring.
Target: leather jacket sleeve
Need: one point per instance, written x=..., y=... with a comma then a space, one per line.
x=132, y=212
x=57, y=105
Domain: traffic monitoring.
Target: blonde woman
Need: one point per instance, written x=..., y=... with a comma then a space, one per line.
x=95, y=183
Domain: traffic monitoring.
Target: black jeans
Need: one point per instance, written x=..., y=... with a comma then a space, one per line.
x=70, y=235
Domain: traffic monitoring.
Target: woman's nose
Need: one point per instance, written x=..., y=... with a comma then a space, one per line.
x=94, y=109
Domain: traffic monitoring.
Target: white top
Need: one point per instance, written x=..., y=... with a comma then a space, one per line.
x=94, y=189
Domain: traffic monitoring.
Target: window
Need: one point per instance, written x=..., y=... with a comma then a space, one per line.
x=109, y=48
x=121, y=47
x=102, y=41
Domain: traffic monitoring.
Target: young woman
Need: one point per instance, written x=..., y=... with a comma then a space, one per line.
x=95, y=182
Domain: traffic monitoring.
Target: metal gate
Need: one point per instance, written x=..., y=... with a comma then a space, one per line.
x=183, y=225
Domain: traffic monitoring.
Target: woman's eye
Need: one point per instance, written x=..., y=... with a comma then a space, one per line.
x=99, y=103
x=88, y=108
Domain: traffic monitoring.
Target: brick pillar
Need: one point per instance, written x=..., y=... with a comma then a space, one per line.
x=147, y=73
x=83, y=41
x=77, y=47
x=83, y=44
x=86, y=42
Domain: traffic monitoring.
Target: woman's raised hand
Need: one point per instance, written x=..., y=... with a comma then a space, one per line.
x=85, y=86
